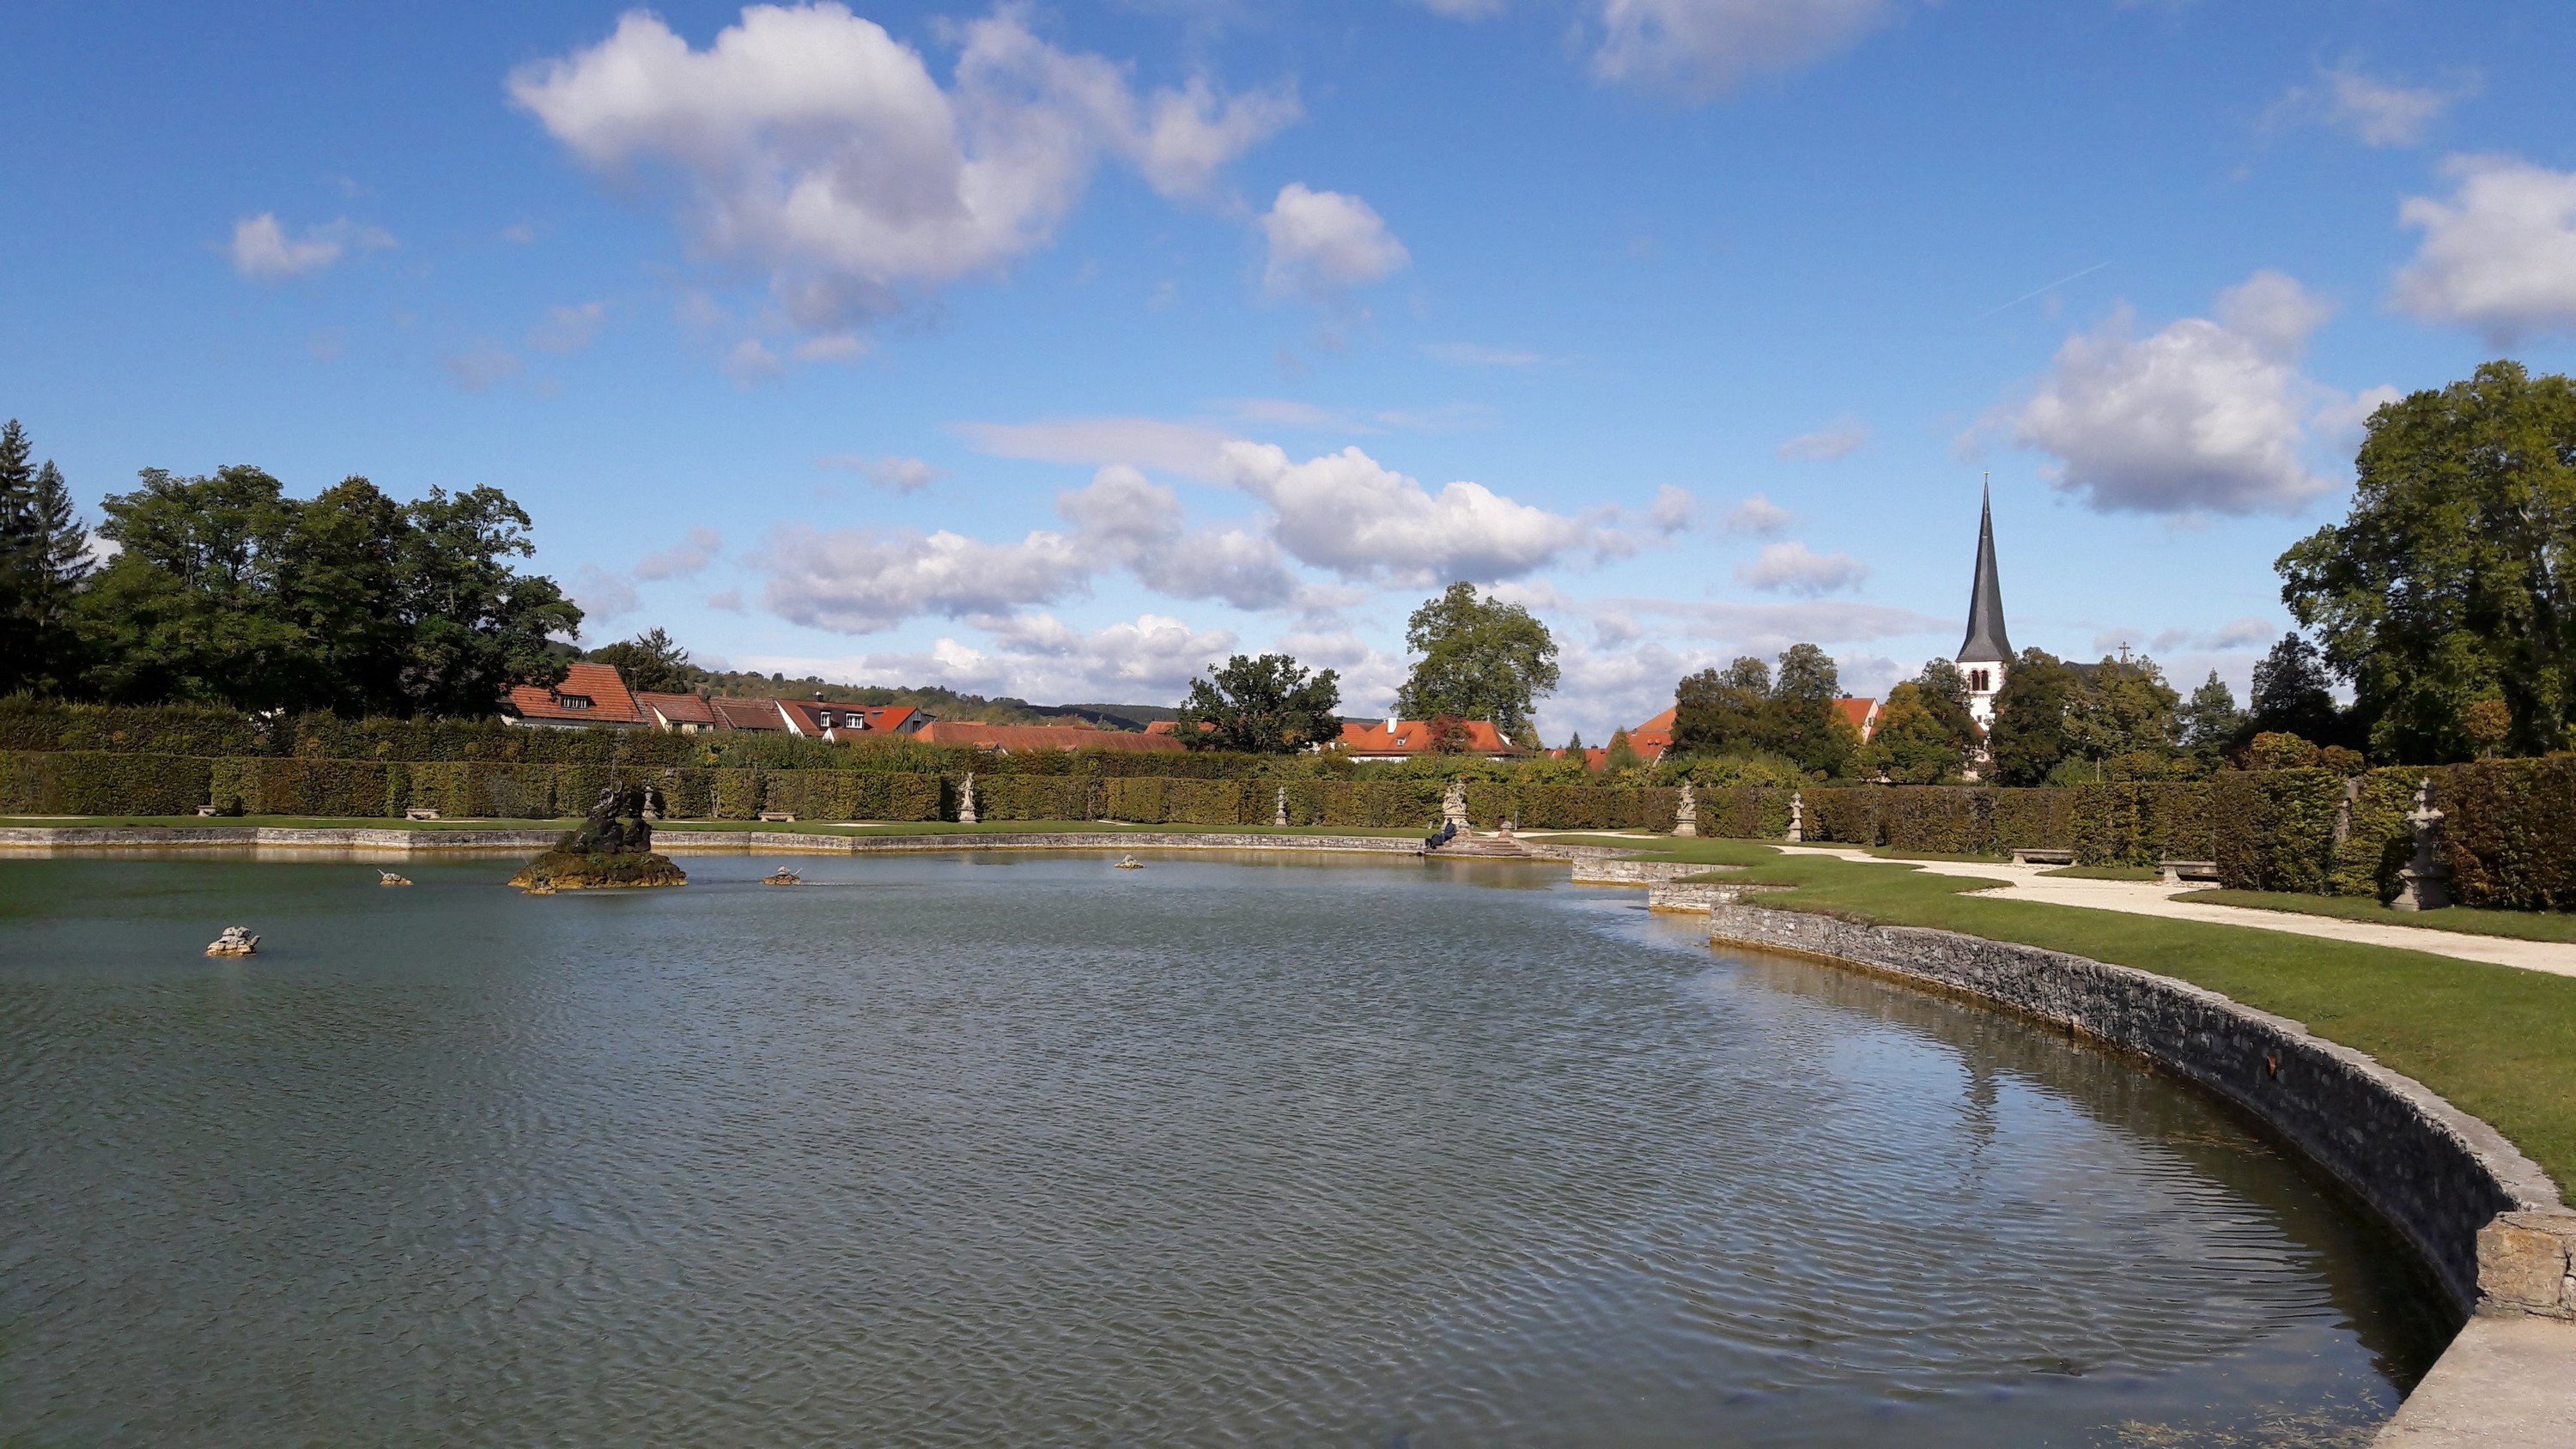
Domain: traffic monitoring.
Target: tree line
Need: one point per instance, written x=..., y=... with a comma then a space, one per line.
x=220, y=589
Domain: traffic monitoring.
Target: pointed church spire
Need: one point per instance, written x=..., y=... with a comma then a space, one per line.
x=1986, y=642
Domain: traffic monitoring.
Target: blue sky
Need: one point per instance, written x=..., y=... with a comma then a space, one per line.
x=1056, y=350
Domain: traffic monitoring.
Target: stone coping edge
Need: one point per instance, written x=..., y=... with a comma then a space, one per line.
x=2443, y=1178
x=670, y=842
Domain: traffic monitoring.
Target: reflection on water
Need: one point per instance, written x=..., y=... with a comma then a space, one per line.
x=959, y=1150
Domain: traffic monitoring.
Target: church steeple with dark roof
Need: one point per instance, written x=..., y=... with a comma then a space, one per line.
x=1986, y=642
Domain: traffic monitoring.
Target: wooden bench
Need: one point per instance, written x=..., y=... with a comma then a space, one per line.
x=2175, y=872
x=420, y=812
x=778, y=817
x=2047, y=855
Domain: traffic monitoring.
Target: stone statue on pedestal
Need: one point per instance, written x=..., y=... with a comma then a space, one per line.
x=1453, y=805
x=1280, y=815
x=1797, y=816
x=966, y=800
x=2425, y=882
x=1686, y=813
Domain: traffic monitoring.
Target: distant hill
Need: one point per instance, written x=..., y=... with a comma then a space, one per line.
x=945, y=703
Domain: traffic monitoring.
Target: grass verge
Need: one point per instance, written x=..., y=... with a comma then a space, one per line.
x=2461, y=920
x=2497, y=1041
x=2106, y=872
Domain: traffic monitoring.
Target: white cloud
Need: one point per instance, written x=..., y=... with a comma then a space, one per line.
x=1838, y=439
x=687, y=557
x=1325, y=243
x=1127, y=520
x=814, y=146
x=2203, y=416
x=568, y=329
x=1769, y=628
x=263, y=251
x=2340, y=424
x=1463, y=9
x=2245, y=633
x=858, y=581
x=1792, y=568
x=2500, y=255
x=2376, y=112
x=482, y=366
x=1674, y=510
x=1704, y=48
x=1346, y=513
x=603, y=595
x=1147, y=660
x=1187, y=449
x=1756, y=516
x=1471, y=354
x=893, y=473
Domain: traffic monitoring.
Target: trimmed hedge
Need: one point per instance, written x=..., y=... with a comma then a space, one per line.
x=2275, y=829
x=101, y=782
x=331, y=788
x=2509, y=834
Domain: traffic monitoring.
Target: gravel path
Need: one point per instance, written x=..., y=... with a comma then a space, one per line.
x=2146, y=898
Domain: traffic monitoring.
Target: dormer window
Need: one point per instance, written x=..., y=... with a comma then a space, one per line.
x=573, y=701
x=825, y=715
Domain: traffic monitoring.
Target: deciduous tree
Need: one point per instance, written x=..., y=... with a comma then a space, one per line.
x=652, y=661
x=1478, y=658
x=2453, y=577
x=1268, y=705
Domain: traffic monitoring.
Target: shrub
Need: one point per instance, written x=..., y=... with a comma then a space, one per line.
x=2275, y=828
x=477, y=790
x=257, y=785
x=102, y=782
x=2509, y=831
x=1037, y=797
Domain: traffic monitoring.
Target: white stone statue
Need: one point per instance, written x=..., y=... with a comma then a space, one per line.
x=1453, y=805
x=966, y=800
x=1797, y=816
x=1686, y=813
x=2425, y=880
x=1280, y=815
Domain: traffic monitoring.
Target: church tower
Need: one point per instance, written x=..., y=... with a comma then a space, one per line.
x=1986, y=653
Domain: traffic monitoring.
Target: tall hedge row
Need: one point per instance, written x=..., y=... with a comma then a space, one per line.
x=101, y=782
x=2510, y=832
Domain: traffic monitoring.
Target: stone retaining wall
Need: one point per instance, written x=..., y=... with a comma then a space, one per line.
x=674, y=842
x=2438, y=1174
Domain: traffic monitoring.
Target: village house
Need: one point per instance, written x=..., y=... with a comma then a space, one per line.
x=590, y=696
x=1404, y=739
x=825, y=719
x=686, y=714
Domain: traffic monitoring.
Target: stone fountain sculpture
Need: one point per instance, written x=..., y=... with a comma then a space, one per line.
x=613, y=849
x=1686, y=812
x=2425, y=882
x=1797, y=816
x=966, y=800
x=1453, y=806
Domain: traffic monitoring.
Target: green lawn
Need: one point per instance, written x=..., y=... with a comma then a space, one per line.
x=2499, y=1042
x=2106, y=872
x=2464, y=920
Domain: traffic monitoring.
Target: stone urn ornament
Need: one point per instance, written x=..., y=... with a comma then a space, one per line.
x=1797, y=816
x=2425, y=882
x=1686, y=813
x=966, y=800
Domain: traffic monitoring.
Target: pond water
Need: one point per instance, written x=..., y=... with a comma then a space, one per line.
x=966, y=1150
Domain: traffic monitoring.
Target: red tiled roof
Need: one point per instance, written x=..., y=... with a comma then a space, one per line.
x=747, y=714
x=678, y=709
x=1860, y=714
x=1413, y=737
x=818, y=716
x=590, y=694
x=1039, y=737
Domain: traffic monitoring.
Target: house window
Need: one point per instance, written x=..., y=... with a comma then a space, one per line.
x=573, y=701
x=825, y=716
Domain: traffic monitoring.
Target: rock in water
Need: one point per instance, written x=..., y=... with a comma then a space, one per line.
x=613, y=850
x=235, y=941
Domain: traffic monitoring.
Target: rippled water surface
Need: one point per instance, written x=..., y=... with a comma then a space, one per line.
x=954, y=1150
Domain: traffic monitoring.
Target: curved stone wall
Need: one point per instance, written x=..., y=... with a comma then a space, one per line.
x=2438, y=1174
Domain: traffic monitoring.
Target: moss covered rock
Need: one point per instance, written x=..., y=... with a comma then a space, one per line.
x=568, y=870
